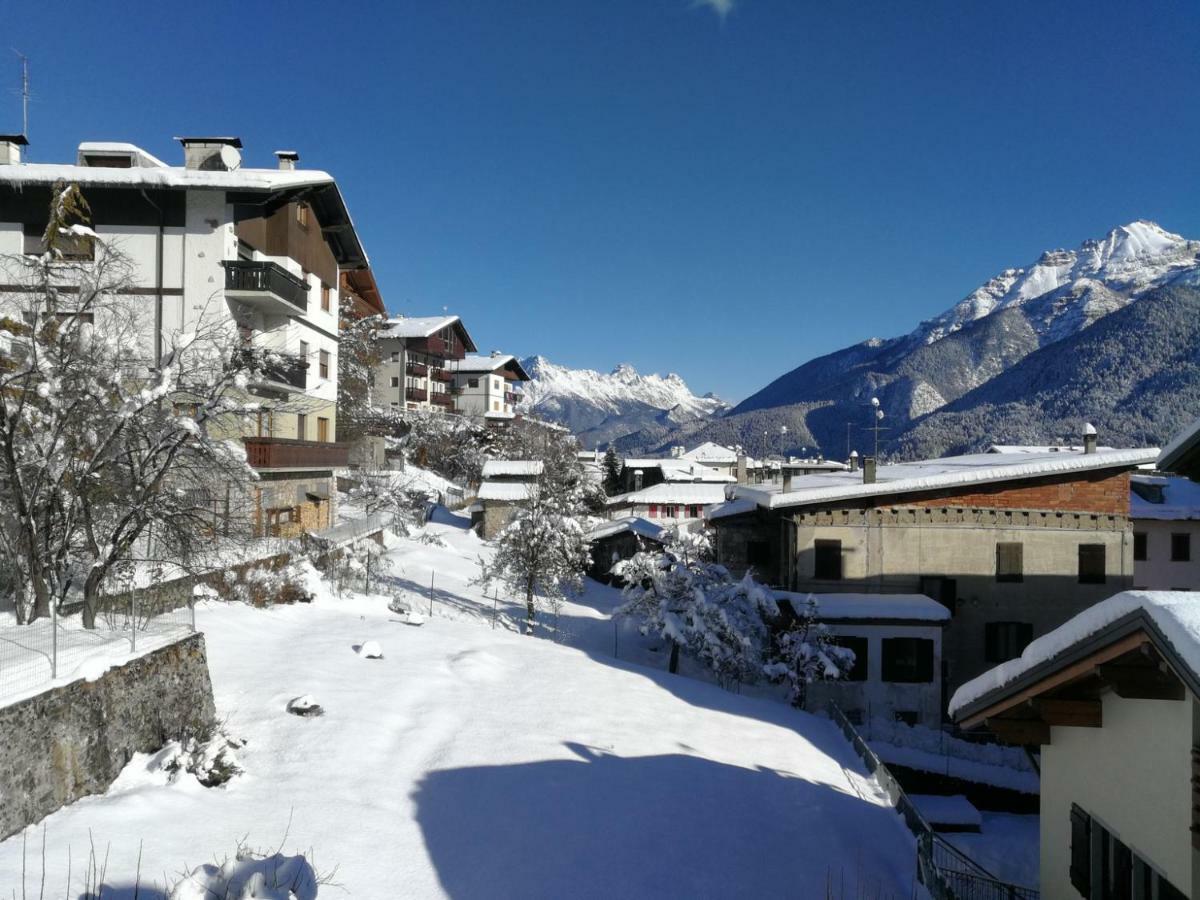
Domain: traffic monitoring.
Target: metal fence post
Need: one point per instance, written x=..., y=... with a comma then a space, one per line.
x=495, y=606
x=53, y=638
x=192, y=611
x=431, y=577
x=132, y=620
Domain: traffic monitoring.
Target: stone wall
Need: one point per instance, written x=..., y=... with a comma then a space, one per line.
x=73, y=740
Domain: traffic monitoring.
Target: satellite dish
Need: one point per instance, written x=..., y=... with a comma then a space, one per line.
x=231, y=159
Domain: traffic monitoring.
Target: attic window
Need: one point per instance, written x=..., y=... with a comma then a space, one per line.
x=1151, y=493
x=108, y=160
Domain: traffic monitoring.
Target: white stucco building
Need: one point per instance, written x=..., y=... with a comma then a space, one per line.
x=258, y=252
x=489, y=387
x=1165, y=512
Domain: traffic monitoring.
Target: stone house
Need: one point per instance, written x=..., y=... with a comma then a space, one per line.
x=618, y=540
x=1012, y=545
x=507, y=485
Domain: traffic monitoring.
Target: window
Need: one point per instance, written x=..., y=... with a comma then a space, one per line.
x=395, y=356
x=1181, y=547
x=495, y=384
x=1091, y=564
x=943, y=590
x=495, y=406
x=324, y=296
x=1005, y=640
x=265, y=424
x=75, y=247
x=908, y=660
x=395, y=381
x=827, y=560
x=473, y=382
x=654, y=510
x=304, y=351
x=694, y=512
x=323, y=366
x=302, y=215
x=1139, y=545
x=858, y=671
x=1010, y=562
x=301, y=426
x=1122, y=873
x=907, y=716
x=322, y=429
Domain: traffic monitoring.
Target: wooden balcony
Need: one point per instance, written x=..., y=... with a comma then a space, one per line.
x=266, y=286
x=441, y=398
x=436, y=346
x=441, y=375
x=285, y=453
x=417, y=395
x=418, y=369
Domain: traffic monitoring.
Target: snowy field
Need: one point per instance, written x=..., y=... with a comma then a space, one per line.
x=473, y=762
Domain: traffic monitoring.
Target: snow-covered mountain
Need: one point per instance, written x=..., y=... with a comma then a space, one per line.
x=602, y=407
x=949, y=362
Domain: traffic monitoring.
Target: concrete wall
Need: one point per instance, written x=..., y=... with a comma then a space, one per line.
x=496, y=515
x=1157, y=572
x=874, y=696
x=1134, y=775
x=73, y=740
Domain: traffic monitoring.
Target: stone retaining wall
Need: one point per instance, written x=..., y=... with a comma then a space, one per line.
x=72, y=741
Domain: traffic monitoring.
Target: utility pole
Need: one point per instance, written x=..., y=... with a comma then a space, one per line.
x=876, y=427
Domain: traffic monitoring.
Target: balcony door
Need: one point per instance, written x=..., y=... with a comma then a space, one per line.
x=322, y=429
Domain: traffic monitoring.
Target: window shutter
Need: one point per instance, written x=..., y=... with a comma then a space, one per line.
x=1081, y=851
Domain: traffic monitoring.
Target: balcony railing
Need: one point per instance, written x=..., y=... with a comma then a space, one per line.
x=510, y=397
x=285, y=453
x=274, y=368
x=442, y=398
x=419, y=395
x=266, y=286
x=418, y=369
x=436, y=346
x=441, y=375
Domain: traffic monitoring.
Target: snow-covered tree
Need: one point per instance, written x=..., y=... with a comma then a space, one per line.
x=101, y=444
x=541, y=555
x=612, y=472
x=806, y=652
x=681, y=596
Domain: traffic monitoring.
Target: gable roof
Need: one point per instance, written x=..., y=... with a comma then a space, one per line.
x=475, y=363
x=512, y=491
x=635, y=524
x=1175, y=498
x=940, y=474
x=423, y=327
x=711, y=453
x=684, y=492
x=1170, y=620
x=858, y=606
x=497, y=468
x=1182, y=453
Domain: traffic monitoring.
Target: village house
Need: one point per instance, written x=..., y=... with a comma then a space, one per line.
x=1012, y=544
x=1165, y=510
x=612, y=542
x=416, y=360
x=263, y=251
x=506, y=486
x=897, y=644
x=489, y=387
x=1112, y=700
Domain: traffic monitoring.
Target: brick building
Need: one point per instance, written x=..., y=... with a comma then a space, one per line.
x=1013, y=544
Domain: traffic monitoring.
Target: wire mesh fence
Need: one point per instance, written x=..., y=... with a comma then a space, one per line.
x=59, y=647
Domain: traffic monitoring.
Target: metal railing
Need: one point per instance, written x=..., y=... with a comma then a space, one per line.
x=945, y=871
x=266, y=277
x=276, y=367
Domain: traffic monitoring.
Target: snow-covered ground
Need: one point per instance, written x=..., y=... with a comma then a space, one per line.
x=1007, y=846
x=471, y=761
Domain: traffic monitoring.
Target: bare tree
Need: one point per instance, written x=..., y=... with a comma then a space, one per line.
x=102, y=445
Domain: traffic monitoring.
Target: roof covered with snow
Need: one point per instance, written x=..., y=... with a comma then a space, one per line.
x=940, y=474
x=1174, y=614
x=1163, y=497
x=511, y=491
x=914, y=607
x=675, y=469
x=635, y=524
x=711, y=453
x=1182, y=450
x=474, y=363
x=497, y=468
x=416, y=326
x=686, y=492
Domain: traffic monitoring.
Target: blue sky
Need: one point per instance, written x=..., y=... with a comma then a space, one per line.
x=722, y=189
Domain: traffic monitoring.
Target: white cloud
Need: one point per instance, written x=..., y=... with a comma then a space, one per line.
x=721, y=7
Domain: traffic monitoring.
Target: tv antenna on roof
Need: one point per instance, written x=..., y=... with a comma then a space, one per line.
x=24, y=91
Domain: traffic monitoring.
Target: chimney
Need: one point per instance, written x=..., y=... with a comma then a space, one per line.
x=677, y=452
x=742, y=474
x=212, y=154
x=637, y=479
x=853, y=460
x=868, y=470
x=10, y=149
x=1089, y=438
x=287, y=159
x=787, y=480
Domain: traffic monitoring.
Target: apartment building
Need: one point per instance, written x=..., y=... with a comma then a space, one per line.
x=1012, y=544
x=261, y=251
x=489, y=387
x=417, y=355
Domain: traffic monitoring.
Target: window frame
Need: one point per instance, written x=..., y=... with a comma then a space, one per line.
x=1181, y=546
x=999, y=639
x=892, y=669
x=323, y=364
x=1086, y=575
x=824, y=566
x=1010, y=562
x=1141, y=546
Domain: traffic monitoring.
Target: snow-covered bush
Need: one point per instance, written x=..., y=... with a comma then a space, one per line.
x=210, y=759
x=806, y=652
x=251, y=875
x=269, y=583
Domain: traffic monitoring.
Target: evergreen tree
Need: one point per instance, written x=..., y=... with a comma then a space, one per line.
x=612, y=472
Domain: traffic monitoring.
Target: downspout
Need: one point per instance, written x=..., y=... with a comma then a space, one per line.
x=158, y=280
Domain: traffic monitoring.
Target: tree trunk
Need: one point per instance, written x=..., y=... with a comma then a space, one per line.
x=91, y=598
x=673, y=664
x=530, y=612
